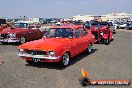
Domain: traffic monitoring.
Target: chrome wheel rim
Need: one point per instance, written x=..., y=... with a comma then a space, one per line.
x=90, y=49
x=66, y=59
x=23, y=40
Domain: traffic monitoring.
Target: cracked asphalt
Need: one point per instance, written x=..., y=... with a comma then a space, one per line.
x=113, y=61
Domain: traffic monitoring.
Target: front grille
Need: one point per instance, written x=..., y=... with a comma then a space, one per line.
x=95, y=34
x=36, y=52
x=4, y=36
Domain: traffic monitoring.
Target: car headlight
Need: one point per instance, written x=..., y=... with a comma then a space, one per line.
x=101, y=33
x=12, y=35
x=21, y=51
x=51, y=53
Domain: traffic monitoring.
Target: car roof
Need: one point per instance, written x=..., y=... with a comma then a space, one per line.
x=68, y=26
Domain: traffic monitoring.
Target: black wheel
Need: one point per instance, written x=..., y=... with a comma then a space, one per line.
x=89, y=49
x=106, y=41
x=65, y=60
x=114, y=32
x=22, y=40
x=30, y=62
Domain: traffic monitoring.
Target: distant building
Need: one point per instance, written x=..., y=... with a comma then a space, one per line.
x=115, y=16
x=119, y=16
x=83, y=17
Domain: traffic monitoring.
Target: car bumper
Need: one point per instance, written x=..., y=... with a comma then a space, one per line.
x=9, y=40
x=41, y=57
x=129, y=28
x=122, y=27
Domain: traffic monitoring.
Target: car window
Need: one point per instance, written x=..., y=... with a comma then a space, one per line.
x=21, y=25
x=103, y=24
x=94, y=24
x=59, y=32
x=110, y=24
x=37, y=26
x=83, y=31
x=30, y=27
x=77, y=33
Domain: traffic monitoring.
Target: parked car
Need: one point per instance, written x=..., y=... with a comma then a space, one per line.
x=3, y=24
x=122, y=25
x=102, y=32
x=111, y=26
x=44, y=28
x=59, y=44
x=21, y=32
x=86, y=25
x=115, y=24
x=34, y=26
x=129, y=26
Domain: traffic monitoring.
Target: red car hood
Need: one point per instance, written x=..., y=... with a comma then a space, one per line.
x=45, y=44
x=9, y=31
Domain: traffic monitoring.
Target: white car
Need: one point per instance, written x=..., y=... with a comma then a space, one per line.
x=112, y=27
x=122, y=25
x=115, y=24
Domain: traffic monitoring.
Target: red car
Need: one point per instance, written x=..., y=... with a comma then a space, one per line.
x=60, y=43
x=22, y=32
x=102, y=32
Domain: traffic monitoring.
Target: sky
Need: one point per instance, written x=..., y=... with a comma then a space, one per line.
x=62, y=8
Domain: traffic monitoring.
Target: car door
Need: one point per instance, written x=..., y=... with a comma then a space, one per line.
x=32, y=32
x=36, y=31
x=75, y=43
x=84, y=39
x=39, y=34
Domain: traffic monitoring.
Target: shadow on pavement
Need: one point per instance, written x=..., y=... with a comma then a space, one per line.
x=56, y=66
x=46, y=65
x=14, y=44
x=80, y=56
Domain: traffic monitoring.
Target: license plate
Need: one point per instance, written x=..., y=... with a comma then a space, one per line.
x=36, y=60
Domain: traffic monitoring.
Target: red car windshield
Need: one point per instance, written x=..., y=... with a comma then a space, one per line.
x=95, y=25
x=103, y=24
x=59, y=32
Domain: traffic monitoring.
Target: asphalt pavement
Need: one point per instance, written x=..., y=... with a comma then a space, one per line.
x=113, y=61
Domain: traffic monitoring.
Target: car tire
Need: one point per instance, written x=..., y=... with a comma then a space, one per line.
x=22, y=40
x=106, y=41
x=30, y=62
x=89, y=49
x=65, y=60
x=114, y=32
